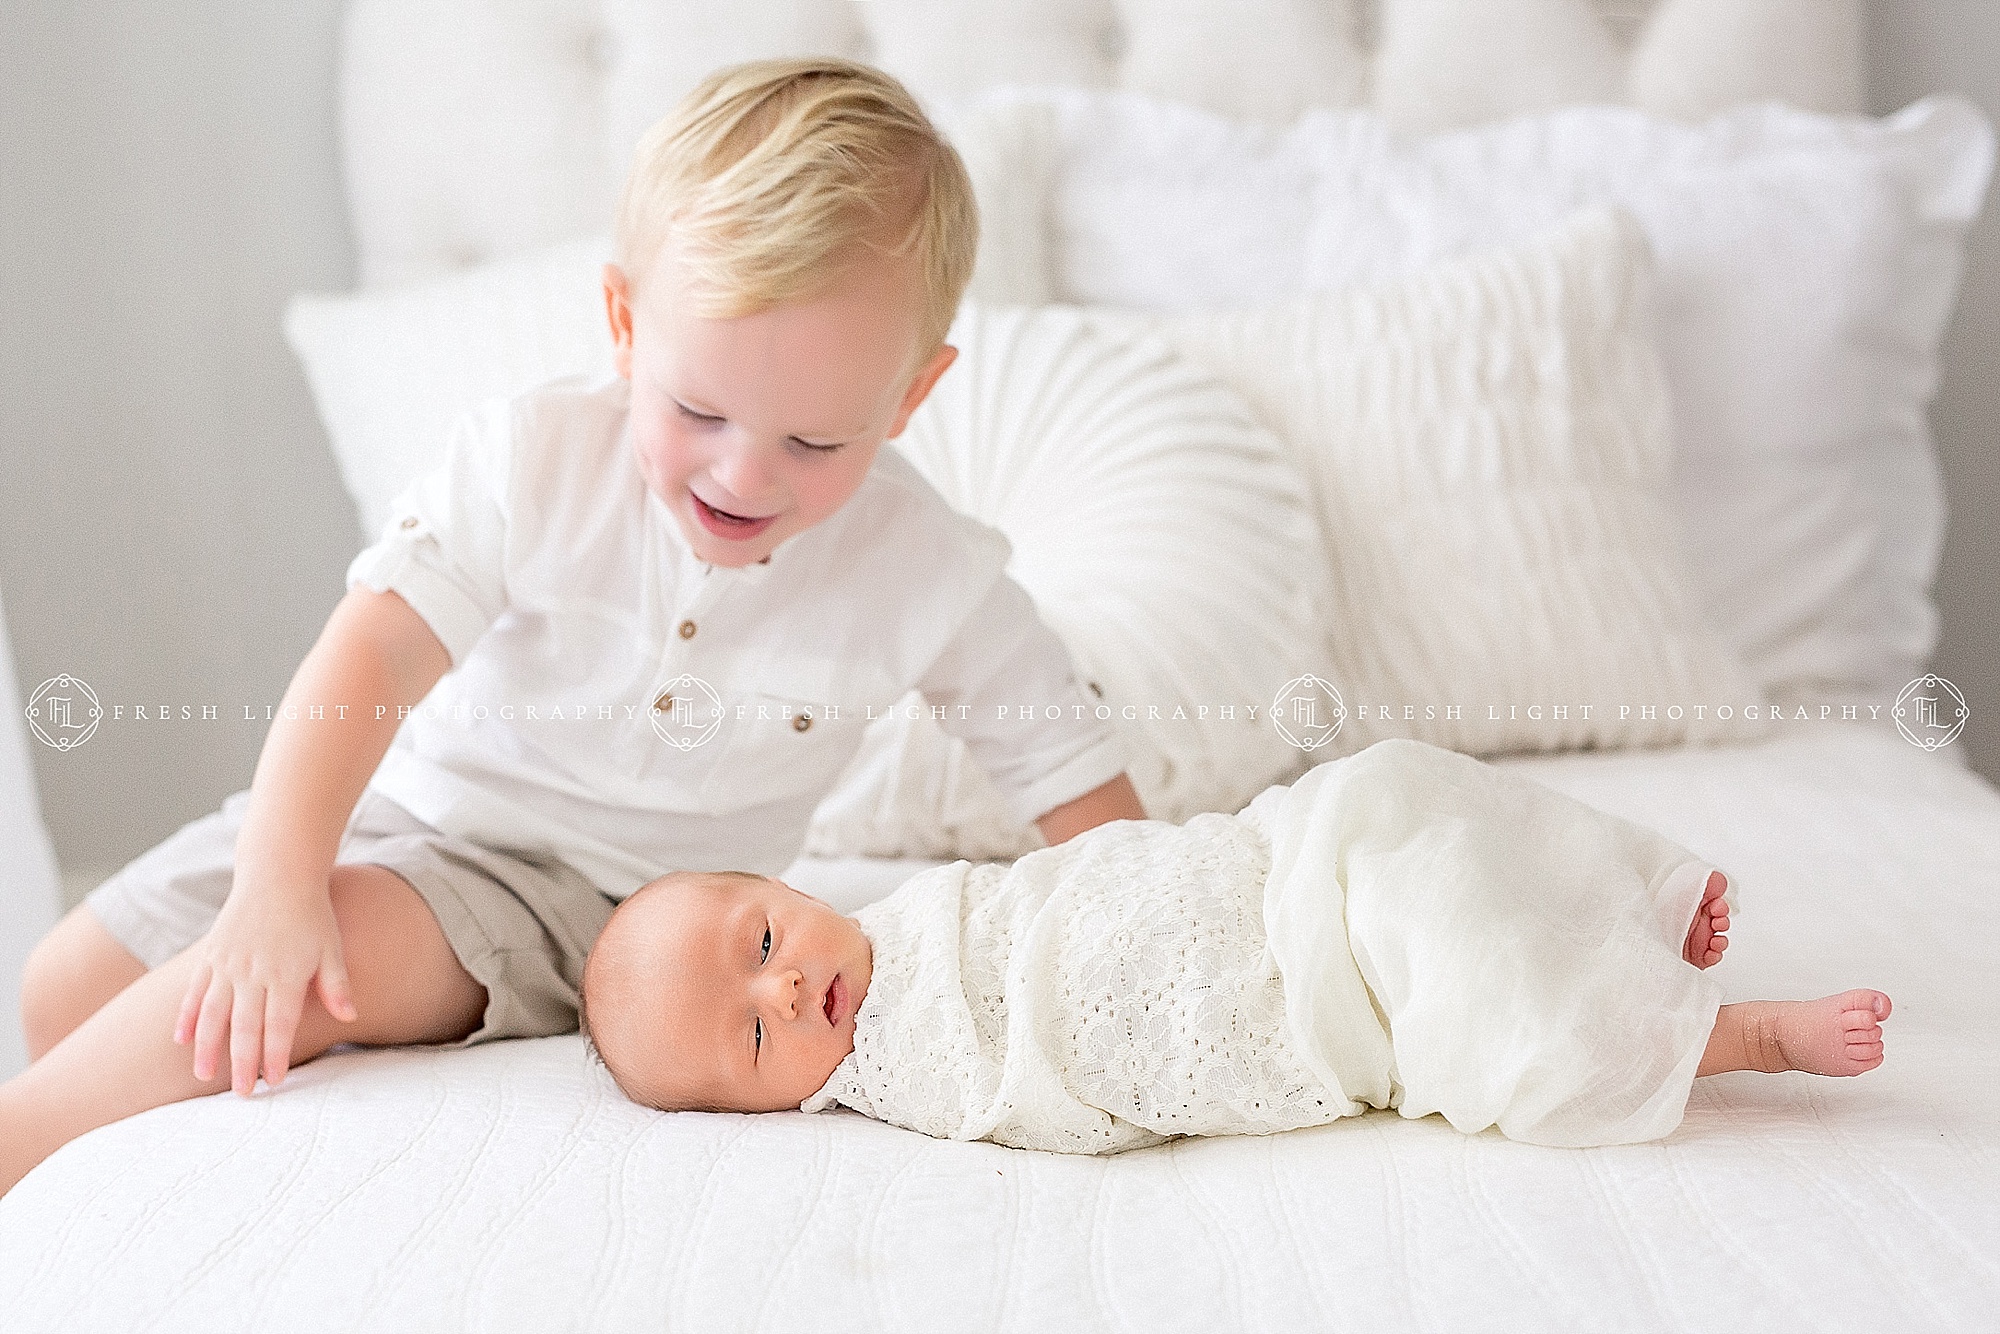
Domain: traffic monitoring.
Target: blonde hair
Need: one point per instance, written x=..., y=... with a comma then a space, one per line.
x=769, y=174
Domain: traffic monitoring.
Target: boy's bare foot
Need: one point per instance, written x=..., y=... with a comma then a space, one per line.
x=1707, y=935
x=1835, y=1035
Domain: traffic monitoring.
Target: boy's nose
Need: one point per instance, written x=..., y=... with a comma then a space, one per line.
x=780, y=991
x=745, y=471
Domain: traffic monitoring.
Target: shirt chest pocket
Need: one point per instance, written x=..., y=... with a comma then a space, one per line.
x=783, y=734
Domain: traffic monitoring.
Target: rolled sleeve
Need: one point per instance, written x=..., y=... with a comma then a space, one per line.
x=1006, y=659
x=443, y=549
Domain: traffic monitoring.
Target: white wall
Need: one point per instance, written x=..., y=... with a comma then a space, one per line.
x=1916, y=47
x=171, y=527
x=28, y=900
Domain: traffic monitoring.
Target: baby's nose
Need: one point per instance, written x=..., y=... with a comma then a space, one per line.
x=781, y=991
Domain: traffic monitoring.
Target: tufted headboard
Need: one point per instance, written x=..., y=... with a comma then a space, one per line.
x=474, y=129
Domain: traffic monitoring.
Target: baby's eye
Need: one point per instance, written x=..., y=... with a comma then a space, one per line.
x=767, y=946
x=819, y=449
x=692, y=415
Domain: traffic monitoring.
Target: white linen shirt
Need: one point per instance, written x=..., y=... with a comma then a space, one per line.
x=571, y=604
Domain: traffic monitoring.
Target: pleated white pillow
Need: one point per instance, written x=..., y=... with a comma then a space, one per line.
x=1166, y=537
x=1489, y=448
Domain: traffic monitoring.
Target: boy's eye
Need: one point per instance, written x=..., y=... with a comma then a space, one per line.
x=767, y=946
x=819, y=449
x=692, y=415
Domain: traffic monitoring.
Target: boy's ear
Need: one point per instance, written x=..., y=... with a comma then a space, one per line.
x=920, y=387
x=618, y=309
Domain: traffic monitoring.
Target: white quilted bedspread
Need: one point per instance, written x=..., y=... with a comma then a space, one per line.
x=509, y=1187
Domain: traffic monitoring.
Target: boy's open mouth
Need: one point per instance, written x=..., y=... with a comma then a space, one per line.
x=724, y=524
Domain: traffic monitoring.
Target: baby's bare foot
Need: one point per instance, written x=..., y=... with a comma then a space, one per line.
x=1835, y=1035
x=1707, y=935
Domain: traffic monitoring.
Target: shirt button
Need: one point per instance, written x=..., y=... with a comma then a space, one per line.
x=802, y=722
x=410, y=522
x=687, y=629
x=663, y=703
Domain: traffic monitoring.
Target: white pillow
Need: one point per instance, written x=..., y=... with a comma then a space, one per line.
x=1164, y=535
x=1807, y=264
x=1009, y=153
x=1488, y=447
x=392, y=370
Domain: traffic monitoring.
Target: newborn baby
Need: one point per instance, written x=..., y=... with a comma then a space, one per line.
x=1405, y=927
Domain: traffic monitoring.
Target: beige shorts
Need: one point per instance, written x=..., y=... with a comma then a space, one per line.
x=521, y=923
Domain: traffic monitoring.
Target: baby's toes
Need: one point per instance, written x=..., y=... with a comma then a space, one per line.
x=1862, y=1000
x=1863, y=1039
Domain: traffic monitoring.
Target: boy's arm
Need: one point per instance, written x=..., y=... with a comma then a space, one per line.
x=1012, y=694
x=276, y=931
x=1115, y=800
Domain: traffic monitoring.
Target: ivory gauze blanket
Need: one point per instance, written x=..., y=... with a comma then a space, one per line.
x=1405, y=927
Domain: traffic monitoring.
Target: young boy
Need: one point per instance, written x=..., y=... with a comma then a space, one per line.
x=654, y=611
x=1403, y=927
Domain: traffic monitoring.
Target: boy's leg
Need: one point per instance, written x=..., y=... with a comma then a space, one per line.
x=69, y=976
x=407, y=983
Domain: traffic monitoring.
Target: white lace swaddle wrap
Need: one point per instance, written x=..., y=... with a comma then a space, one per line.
x=1444, y=936
x=1095, y=996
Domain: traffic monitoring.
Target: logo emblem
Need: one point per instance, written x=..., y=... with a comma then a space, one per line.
x=685, y=711
x=63, y=712
x=1308, y=711
x=1931, y=712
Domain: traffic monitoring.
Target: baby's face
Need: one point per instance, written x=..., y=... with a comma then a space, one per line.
x=728, y=991
x=755, y=428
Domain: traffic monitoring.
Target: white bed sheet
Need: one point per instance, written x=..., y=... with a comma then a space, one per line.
x=509, y=1187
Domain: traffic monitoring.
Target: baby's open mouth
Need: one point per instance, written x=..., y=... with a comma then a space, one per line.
x=833, y=1001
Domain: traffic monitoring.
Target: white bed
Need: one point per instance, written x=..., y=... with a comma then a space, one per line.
x=510, y=1187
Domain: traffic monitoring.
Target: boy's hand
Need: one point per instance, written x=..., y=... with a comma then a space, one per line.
x=1114, y=800
x=276, y=934
x=249, y=984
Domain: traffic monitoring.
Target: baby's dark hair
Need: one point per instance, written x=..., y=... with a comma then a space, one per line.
x=591, y=1054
